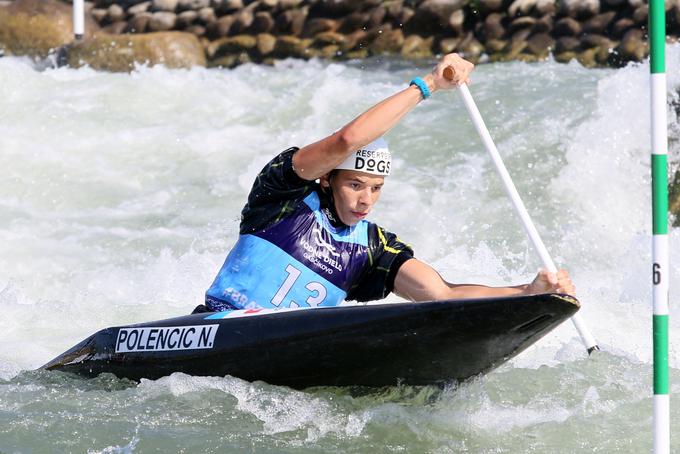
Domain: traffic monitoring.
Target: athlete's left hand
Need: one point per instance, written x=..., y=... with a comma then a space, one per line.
x=547, y=282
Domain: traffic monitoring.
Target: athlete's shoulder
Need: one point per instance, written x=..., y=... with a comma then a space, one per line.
x=382, y=239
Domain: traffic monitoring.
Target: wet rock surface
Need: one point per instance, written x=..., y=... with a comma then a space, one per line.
x=595, y=32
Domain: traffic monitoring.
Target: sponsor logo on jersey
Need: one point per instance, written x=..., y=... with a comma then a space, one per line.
x=158, y=339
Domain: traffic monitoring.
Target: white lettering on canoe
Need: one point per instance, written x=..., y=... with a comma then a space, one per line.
x=158, y=339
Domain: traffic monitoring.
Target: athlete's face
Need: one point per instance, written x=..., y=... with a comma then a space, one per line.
x=355, y=193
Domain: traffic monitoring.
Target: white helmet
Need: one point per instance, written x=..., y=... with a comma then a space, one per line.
x=374, y=158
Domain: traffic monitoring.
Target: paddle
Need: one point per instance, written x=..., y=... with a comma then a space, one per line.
x=510, y=189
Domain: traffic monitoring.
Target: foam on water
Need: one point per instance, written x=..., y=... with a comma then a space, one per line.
x=121, y=194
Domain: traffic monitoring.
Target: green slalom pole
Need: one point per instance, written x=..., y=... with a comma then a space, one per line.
x=660, y=257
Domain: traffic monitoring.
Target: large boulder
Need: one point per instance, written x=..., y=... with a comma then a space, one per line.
x=433, y=16
x=122, y=52
x=36, y=27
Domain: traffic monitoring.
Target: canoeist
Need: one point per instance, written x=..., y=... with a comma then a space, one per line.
x=304, y=240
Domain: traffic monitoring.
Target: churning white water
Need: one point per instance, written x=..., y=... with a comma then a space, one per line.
x=120, y=195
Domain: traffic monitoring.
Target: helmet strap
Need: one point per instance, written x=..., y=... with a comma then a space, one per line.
x=327, y=205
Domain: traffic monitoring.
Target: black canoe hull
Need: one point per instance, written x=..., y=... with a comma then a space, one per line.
x=373, y=345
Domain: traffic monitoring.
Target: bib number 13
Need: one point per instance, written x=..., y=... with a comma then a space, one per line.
x=317, y=289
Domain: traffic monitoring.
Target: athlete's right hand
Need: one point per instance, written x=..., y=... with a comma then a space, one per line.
x=452, y=71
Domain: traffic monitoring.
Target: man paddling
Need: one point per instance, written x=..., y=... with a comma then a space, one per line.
x=304, y=240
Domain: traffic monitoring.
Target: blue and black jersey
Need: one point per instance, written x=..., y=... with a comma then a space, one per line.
x=292, y=252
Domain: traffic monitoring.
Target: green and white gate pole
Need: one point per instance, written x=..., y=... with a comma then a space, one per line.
x=660, y=265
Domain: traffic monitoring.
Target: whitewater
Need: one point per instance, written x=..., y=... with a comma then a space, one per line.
x=120, y=196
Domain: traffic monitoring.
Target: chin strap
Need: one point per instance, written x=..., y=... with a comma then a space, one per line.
x=328, y=207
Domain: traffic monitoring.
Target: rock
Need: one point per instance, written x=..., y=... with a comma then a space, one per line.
x=263, y=22
x=196, y=30
x=100, y=15
x=289, y=4
x=162, y=21
x=405, y=16
x=545, y=7
x=115, y=13
x=353, y=22
x=230, y=45
x=487, y=6
x=220, y=28
x=449, y=45
x=579, y=9
x=329, y=38
x=515, y=48
x=493, y=27
x=291, y=22
x=206, y=16
x=633, y=46
x=139, y=23
x=599, y=24
x=393, y=8
x=432, y=16
x=621, y=26
x=456, y=21
x=496, y=45
x=636, y=3
x=544, y=25
x=376, y=17
x=471, y=49
x=319, y=25
x=588, y=58
x=116, y=28
x=139, y=8
x=389, y=42
x=164, y=5
x=591, y=40
x=440, y=10
x=540, y=44
x=355, y=40
x=603, y=52
x=186, y=19
x=329, y=52
x=243, y=19
x=265, y=43
x=223, y=7
x=269, y=5
x=641, y=14
x=567, y=44
x=567, y=27
x=291, y=46
x=36, y=27
x=230, y=61
x=121, y=53
x=615, y=3
x=195, y=5
x=417, y=47
x=522, y=22
x=565, y=57
x=525, y=7
x=520, y=35
x=357, y=54
x=335, y=8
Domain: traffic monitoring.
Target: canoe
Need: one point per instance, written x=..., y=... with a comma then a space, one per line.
x=426, y=343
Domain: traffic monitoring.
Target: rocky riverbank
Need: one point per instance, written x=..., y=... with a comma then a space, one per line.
x=232, y=32
x=596, y=32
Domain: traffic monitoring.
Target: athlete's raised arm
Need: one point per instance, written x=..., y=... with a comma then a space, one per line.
x=319, y=158
x=418, y=281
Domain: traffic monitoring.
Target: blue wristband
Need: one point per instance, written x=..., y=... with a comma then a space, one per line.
x=420, y=83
